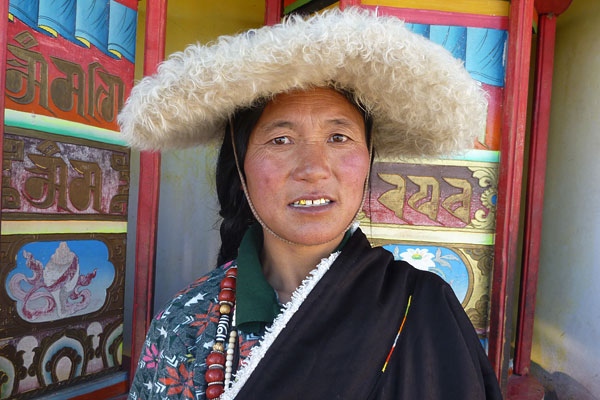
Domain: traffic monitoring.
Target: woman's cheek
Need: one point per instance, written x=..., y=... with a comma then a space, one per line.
x=354, y=166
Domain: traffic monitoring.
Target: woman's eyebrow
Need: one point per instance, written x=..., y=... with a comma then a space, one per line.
x=276, y=124
x=341, y=122
x=290, y=125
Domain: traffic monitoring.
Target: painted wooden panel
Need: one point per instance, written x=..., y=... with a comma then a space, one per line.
x=62, y=307
x=54, y=70
x=65, y=185
x=440, y=214
x=61, y=177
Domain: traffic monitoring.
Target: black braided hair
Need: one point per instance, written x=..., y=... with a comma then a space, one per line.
x=235, y=211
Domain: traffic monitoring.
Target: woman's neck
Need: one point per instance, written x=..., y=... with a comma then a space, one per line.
x=286, y=265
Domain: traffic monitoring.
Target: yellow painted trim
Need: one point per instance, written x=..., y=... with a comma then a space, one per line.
x=50, y=30
x=11, y=17
x=84, y=41
x=482, y=7
x=116, y=53
x=47, y=227
x=427, y=234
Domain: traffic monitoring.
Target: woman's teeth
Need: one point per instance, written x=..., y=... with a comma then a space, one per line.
x=311, y=203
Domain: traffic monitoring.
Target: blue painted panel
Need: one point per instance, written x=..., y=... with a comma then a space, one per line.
x=485, y=59
x=452, y=38
x=25, y=10
x=420, y=29
x=439, y=260
x=92, y=22
x=107, y=24
x=55, y=280
x=122, y=30
x=60, y=16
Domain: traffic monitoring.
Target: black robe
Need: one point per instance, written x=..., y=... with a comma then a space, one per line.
x=335, y=345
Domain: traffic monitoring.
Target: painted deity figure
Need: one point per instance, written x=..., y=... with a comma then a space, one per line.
x=55, y=287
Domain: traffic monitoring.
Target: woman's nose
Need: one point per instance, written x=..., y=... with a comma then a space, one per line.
x=312, y=162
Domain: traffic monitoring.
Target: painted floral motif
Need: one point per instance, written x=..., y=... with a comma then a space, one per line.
x=419, y=258
x=442, y=261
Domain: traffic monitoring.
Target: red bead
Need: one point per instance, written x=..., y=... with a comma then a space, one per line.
x=214, y=391
x=231, y=272
x=215, y=358
x=227, y=295
x=228, y=283
x=214, y=375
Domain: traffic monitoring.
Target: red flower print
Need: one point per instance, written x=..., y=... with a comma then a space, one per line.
x=245, y=347
x=202, y=320
x=180, y=381
x=193, y=285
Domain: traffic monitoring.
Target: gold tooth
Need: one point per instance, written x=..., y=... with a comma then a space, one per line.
x=302, y=202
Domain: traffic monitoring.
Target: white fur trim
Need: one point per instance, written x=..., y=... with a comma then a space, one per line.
x=422, y=99
x=289, y=309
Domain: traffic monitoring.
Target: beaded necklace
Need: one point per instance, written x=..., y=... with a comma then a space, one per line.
x=220, y=360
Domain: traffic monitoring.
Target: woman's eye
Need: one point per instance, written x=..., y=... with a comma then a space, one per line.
x=281, y=140
x=338, y=138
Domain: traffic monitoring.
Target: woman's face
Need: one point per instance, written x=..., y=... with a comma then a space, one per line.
x=306, y=165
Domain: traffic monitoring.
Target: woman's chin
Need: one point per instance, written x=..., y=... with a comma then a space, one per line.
x=313, y=237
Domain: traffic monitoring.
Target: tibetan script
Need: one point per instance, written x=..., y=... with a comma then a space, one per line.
x=55, y=177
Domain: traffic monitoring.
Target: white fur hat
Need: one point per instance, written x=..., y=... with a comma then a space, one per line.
x=423, y=101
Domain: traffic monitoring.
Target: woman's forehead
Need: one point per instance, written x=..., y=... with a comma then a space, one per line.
x=324, y=104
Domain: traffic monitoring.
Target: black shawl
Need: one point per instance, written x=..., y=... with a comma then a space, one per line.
x=335, y=345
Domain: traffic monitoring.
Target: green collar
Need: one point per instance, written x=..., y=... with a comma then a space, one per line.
x=256, y=300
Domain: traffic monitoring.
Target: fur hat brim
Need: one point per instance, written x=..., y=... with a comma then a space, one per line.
x=423, y=101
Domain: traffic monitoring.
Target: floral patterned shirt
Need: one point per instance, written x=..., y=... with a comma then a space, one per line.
x=173, y=361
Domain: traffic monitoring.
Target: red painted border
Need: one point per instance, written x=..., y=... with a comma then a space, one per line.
x=509, y=185
x=3, y=41
x=433, y=17
x=133, y=4
x=555, y=7
x=535, y=191
x=273, y=11
x=149, y=189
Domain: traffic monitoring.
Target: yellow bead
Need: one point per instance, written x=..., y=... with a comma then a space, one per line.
x=218, y=347
x=225, y=309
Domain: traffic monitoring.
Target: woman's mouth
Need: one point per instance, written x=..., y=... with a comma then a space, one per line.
x=305, y=203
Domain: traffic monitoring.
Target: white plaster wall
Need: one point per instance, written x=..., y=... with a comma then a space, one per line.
x=188, y=235
x=567, y=320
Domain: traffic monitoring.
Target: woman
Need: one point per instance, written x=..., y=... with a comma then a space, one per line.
x=302, y=307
